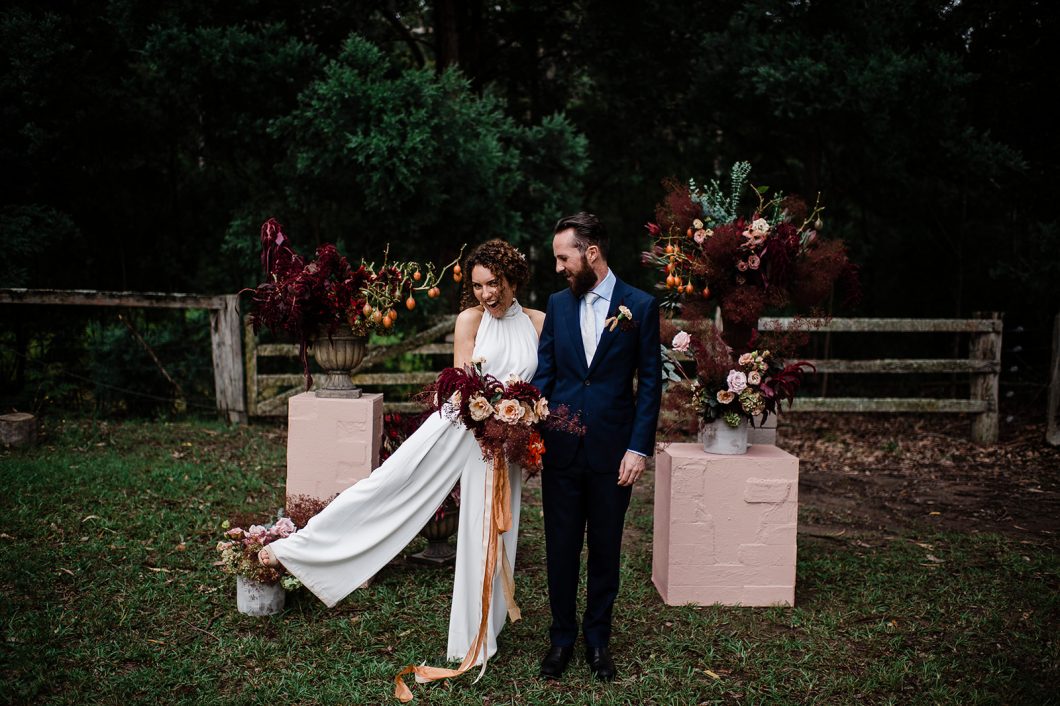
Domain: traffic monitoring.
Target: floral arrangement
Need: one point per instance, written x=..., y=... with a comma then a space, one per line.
x=754, y=384
x=706, y=250
x=505, y=417
x=302, y=299
x=239, y=551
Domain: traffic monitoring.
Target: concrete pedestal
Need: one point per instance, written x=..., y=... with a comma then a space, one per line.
x=725, y=526
x=331, y=443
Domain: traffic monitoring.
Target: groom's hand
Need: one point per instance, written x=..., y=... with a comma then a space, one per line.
x=631, y=468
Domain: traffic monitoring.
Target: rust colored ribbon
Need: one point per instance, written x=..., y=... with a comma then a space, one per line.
x=500, y=521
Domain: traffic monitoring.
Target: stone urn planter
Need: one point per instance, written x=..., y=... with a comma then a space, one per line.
x=257, y=598
x=437, y=533
x=718, y=437
x=338, y=354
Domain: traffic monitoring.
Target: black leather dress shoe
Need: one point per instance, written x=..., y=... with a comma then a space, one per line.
x=556, y=661
x=601, y=665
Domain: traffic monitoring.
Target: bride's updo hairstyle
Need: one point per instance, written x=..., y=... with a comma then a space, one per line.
x=500, y=258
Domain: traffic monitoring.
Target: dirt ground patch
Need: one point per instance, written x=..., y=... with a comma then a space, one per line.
x=892, y=472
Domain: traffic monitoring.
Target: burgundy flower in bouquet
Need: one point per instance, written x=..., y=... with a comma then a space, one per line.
x=706, y=250
x=302, y=300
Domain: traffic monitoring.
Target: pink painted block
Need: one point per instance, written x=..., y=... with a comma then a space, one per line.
x=331, y=443
x=725, y=526
x=768, y=595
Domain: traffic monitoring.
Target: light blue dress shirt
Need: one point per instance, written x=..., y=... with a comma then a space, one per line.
x=603, y=291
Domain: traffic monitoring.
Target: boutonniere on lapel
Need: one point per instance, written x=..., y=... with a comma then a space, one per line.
x=623, y=320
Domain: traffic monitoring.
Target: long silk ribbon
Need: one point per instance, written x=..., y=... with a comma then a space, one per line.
x=500, y=521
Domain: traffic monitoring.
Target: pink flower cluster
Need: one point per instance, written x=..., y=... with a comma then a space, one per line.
x=239, y=554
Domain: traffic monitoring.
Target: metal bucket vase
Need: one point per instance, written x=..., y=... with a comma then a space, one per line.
x=338, y=354
x=718, y=437
x=257, y=598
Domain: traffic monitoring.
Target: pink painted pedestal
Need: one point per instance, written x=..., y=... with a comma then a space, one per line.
x=331, y=443
x=725, y=526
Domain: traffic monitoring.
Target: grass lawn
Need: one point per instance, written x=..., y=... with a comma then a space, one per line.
x=109, y=596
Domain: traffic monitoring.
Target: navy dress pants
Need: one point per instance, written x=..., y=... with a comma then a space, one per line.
x=580, y=503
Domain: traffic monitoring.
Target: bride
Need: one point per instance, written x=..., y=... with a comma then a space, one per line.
x=372, y=521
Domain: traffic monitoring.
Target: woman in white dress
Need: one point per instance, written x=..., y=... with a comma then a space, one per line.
x=367, y=525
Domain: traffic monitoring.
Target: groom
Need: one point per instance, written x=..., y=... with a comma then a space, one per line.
x=598, y=336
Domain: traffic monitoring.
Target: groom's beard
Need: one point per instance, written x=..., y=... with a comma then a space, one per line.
x=582, y=280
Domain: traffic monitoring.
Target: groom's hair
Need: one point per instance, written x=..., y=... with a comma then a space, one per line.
x=588, y=230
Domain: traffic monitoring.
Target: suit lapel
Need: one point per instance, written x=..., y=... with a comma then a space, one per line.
x=575, y=327
x=608, y=335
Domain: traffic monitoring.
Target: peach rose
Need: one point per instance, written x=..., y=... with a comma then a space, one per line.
x=725, y=396
x=529, y=417
x=509, y=411
x=541, y=408
x=480, y=408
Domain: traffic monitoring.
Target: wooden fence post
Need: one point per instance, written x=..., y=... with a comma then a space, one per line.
x=986, y=346
x=1052, y=434
x=225, y=338
x=250, y=365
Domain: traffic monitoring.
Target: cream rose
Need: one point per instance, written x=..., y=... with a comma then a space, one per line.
x=509, y=411
x=737, y=381
x=529, y=416
x=760, y=225
x=725, y=396
x=541, y=408
x=480, y=408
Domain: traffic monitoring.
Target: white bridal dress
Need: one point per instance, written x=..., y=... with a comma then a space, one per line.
x=372, y=521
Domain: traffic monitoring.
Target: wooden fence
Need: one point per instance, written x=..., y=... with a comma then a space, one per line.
x=267, y=394
x=983, y=365
x=224, y=329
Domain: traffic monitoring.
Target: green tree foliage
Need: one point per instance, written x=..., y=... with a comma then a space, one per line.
x=377, y=154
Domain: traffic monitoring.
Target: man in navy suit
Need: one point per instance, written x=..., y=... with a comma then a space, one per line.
x=598, y=336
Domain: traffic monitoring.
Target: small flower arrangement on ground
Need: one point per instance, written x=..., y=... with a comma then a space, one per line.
x=302, y=299
x=239, y=551
x=706, y=250
x=505, y=417
x=752, y=385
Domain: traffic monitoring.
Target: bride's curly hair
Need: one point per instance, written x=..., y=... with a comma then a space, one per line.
x=500, y=258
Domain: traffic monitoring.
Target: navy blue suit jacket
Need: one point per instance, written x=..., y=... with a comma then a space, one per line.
x=616, y=418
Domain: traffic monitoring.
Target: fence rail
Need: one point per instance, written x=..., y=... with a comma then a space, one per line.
x=224, y=329
x=262, y=403
x=983, y=366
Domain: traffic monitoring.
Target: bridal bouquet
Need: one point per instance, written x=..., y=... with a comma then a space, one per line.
x=505, y=417
x=239, y=551
x=706, y=249
x=732, y=390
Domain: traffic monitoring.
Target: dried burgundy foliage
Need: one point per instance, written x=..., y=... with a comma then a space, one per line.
x=300, y=508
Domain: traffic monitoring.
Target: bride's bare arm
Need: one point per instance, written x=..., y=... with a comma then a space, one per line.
x=464, y=336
